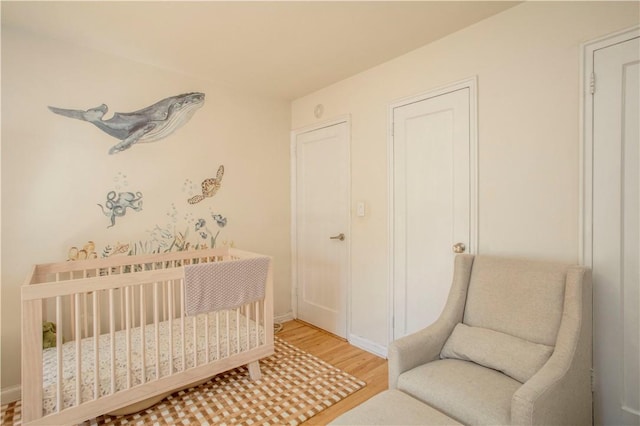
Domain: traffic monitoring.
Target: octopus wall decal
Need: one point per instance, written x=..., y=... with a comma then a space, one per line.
x=117, y=204
x=209, y=187
x=149, y=124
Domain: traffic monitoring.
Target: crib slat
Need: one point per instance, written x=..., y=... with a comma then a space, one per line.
x=217, y=335
x=257, y=323
x=121, y=293
x=127, y=309
x=195, y=341
x=157, y=329
x=78, y=351
x=85, y=309
x=112, y=339
x=228, y=335
x=59, y=395
x=171, y=294
x=132, y=307
x=246, y=318
x=182, y=319
x=237, y=330
x=72, y=316
x=96, y=346
x=164, y=302
x=206, y=338
x=264, y=320
x=143, y=335
x=85, y=315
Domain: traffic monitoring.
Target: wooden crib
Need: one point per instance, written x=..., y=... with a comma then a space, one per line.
x=123, y=337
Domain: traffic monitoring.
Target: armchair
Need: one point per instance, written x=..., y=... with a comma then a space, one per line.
x=512, y=346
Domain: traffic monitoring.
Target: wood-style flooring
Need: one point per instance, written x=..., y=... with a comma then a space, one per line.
x=361, y=364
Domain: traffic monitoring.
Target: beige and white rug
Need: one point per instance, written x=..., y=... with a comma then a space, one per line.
x=294, y=387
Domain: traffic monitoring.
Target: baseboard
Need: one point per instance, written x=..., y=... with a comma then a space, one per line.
x=11, y=394
x=279, y=319
x=368, y=345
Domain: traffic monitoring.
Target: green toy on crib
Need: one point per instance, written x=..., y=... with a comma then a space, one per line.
x=48, y=335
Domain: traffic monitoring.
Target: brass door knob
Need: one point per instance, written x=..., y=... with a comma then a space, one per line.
x=459, y=248
x=340, y=237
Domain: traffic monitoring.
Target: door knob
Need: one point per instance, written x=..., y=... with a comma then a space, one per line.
x=459, y=248
x=340, y=237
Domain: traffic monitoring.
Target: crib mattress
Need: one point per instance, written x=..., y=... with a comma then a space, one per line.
x=221, y=344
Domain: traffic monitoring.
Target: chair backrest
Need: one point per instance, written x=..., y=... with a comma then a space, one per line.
x=522, y=298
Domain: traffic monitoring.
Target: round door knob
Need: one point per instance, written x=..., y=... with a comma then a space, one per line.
x=459, y=248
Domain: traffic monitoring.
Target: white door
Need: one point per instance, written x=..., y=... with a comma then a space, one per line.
x=322, y=226
x=616, y=233
x=432, y=190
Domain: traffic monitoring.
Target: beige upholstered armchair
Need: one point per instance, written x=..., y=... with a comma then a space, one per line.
x=512, y=346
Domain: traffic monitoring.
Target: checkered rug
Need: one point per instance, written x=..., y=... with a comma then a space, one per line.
x=294, y=387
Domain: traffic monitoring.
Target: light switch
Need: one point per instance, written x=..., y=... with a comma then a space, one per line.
x=360, y=209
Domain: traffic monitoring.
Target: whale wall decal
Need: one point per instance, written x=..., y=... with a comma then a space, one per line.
x=149, y=124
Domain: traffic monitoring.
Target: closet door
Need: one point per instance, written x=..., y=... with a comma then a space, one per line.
x=616, y=231
x=432, y=202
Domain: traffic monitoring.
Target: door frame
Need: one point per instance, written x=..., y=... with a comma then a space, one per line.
x=294, y=211
x=585, y=220
x=471, y=83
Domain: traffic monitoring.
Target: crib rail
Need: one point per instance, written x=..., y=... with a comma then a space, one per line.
x=122, y=330
x=64, y=271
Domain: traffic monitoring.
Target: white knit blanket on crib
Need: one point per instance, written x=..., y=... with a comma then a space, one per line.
x=223, y=285
x=228, y=345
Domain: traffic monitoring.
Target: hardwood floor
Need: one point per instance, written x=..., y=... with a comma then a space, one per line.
x=361, y=364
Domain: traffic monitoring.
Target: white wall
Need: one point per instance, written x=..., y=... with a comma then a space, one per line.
x=55, y=170
x=528, y=67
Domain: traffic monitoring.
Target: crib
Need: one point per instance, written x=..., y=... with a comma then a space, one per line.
x=123, y=338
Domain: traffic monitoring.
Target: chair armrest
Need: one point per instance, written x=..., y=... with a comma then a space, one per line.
x=425, y=345
x=560, y=393
x=416, y=349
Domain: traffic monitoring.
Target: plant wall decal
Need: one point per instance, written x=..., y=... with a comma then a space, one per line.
x=119, y=248
x=162, y=239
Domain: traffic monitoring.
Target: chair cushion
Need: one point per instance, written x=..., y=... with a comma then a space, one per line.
x=523, y=298
x=464, y=391
x=515, y=357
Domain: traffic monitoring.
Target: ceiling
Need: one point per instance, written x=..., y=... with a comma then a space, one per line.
x=273, y=48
